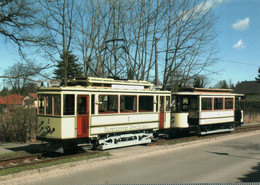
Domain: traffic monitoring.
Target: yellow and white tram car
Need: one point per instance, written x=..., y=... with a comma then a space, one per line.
x=103, y=112
x=205, y=111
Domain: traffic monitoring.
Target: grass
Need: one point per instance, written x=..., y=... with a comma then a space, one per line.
x=13, y=154
x=52, y=163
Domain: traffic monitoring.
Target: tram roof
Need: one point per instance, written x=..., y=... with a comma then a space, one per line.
x=206, y=92
x=105, y=84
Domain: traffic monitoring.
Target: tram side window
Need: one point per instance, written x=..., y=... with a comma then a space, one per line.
x=108, y=104
x=206, y=103
x=145, y=103
x=218, y=103
x=127, y=103
x=68, y=104
x=228, y=103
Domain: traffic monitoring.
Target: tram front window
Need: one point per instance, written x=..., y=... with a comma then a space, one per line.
x=68, y=104
x=57, y=104
x=49, y=104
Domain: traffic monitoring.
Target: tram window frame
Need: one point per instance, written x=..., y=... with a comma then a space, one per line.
x=145, y=103
x=232, y=103
x=218, y=104
x=205, y=105
x=111, y=107
x=69, y=104
x=130, y=101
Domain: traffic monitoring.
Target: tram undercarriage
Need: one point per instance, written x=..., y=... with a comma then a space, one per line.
x=123, y=140
x=215, y=128
x=101, y=143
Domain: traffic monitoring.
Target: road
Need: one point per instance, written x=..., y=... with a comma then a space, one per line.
x=230, y=159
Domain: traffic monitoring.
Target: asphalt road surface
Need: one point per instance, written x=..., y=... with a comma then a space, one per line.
x=232, y=159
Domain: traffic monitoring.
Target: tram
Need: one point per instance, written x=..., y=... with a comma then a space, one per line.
x=101, y=112
x=105, y=113
x=205, y=111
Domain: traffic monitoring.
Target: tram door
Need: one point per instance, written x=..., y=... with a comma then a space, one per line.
x=161, y=122
x=82, y=116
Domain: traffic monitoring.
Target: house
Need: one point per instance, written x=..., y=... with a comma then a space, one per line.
x=12, y=99
x=30, y=100
x=251, y=90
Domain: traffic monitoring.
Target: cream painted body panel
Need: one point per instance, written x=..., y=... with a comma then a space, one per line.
x=69, y=127
x=180, y=120
x=104, y=124
x=115, y=119
x=52, y=122
x=167, y=120
x=123, y=128
x=60, y=128
x=213, y=117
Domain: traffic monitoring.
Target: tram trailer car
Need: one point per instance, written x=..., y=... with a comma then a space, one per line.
x=101, y=112
x=205, y=111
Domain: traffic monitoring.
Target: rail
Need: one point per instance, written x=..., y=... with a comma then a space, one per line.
x=9, y=162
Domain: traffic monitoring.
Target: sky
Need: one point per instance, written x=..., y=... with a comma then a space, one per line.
x=238, y=42
x=238, y=29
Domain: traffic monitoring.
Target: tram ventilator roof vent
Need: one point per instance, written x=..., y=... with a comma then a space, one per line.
x=111, y=83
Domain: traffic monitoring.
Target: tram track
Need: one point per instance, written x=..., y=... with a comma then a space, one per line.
x=21, y=160
x=39, y=158
x=42, y=161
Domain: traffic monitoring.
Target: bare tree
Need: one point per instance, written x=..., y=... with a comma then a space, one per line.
x=117, y=38
x=17, y=21
x=58, y=22
x=188, y=35
x=19, y=75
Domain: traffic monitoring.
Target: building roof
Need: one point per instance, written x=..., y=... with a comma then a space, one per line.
x=12, y=99
x=248, y=87
x=32, y=96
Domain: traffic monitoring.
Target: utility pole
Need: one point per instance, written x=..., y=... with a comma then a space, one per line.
x=156, y=64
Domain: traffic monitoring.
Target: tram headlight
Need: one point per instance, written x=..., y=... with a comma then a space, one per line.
x=47, y=129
